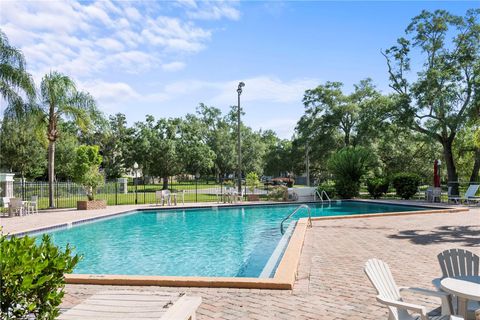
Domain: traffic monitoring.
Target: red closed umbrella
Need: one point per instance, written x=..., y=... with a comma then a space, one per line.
x=436, y=174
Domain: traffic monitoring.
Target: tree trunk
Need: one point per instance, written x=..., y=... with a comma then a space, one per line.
x=51, y=173
x=165, y=183
x=451, y=170
x=476, y=167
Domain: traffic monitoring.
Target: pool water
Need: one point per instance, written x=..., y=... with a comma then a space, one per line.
x=212, y=242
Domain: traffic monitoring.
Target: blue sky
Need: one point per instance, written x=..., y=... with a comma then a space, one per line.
x=163, y=58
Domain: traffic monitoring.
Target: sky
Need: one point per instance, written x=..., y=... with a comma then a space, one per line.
x=163, y=58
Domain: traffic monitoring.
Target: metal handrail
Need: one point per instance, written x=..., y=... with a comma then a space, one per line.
x=317, y=194
x=326, y=195
x=295, y=211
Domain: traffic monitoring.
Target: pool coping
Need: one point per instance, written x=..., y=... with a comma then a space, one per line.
x=285, y=274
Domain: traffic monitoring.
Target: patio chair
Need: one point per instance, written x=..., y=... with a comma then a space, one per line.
x=16, y=207
x=32, y=206
x=460, y=263
x=128, y=304
x=381, y=278
x=163, y=196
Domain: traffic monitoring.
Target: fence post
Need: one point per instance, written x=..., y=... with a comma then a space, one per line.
x=56, y=193
x=116, y=193
x=144, y=202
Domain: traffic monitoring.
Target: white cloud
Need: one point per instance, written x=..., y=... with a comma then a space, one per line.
x=173, y=66
x=265, y=88
x=212, y=10
x=85, y=39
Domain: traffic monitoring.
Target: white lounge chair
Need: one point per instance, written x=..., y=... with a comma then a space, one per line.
x=460, y=263
x=468, y=197
x=135, y=305
x=380, y=276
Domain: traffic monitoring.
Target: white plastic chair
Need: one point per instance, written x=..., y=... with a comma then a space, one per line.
x=380, y=276
x=33, y=205
x=460, y=263
x=15, y=207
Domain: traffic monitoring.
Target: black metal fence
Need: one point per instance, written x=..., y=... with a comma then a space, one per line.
x=137, y=191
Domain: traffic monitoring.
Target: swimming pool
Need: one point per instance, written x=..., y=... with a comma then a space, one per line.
x=204, y=242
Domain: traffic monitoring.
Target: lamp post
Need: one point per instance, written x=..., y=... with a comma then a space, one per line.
x=135, y=167
x=239, y=169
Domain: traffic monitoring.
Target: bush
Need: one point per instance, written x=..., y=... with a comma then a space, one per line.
x=86, y=169
x=32, y=277
x=329, y=187
x=406, y=184
x=348, y=166
x=377, y=187
x=277, y=192
x=252, y=181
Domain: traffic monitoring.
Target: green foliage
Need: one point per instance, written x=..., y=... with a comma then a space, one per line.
x=434, y=72
x=252, y=181
x=277, y=193
x=22, y=148
x=377, y=187
x=32, y=277
x=406, y=184
x=14, y=79
x=329, y=188
x=348, y=166
x=86, y=169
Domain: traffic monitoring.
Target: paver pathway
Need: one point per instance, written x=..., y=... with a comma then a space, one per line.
x=331, y=283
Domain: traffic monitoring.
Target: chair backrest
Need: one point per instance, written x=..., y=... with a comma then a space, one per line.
x=165, y=193
x=459, y=262
x=380, y=276
x=437, y=191
x=472, y=190
x=15, y=203
x=34, y=199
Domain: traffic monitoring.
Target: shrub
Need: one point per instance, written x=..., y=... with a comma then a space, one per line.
x=86, y=169
x=377, y=187
x=348, y=166
x=406, y=184
x=329, y=187
x=32, y=277
x=252, y=181
x=277, y=192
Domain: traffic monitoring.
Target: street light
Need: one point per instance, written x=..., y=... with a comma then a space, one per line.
x=135, y=167
x=239, y=169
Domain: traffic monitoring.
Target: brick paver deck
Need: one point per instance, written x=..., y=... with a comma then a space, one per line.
x=331, y=283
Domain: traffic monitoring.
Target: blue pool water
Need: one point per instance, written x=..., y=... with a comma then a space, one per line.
x=223, y=242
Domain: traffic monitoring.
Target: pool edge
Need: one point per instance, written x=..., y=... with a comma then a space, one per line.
x=284, y=278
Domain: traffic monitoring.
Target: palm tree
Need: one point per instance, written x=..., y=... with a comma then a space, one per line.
x=60, y=98
x=15, y=82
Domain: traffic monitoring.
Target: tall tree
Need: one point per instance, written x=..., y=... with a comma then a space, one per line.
x=15, y=81
x=60, y=98
x=437, y=100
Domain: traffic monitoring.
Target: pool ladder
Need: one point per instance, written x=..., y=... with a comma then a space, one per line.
x=295, y=211
x=320, y=196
